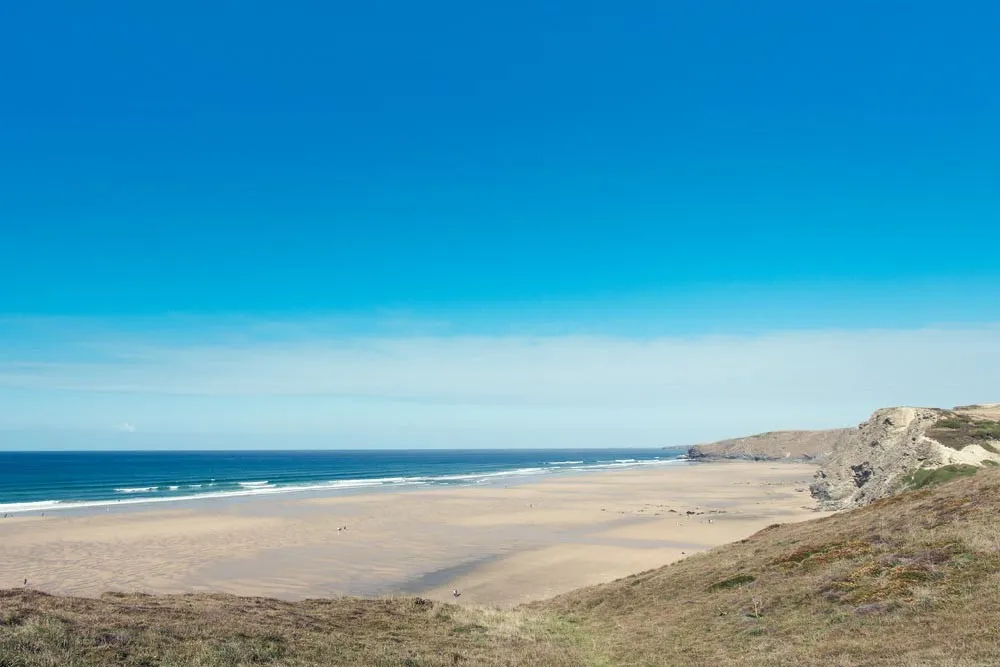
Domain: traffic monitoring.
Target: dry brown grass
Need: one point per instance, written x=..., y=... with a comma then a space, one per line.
x=226, y=631
x=913, y=580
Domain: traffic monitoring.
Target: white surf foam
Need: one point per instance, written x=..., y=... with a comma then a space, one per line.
x=37, y=506
x=265, y=487
x=489, y=475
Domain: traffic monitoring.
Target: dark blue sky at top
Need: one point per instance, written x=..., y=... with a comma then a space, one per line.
x=248, y=157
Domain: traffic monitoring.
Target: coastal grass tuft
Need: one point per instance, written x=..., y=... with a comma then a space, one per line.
x=812, y=555
x=918, y=572
x=918, y=479
x=733, y=582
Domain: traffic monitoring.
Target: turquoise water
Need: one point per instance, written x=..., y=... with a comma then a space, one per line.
x=48, y=481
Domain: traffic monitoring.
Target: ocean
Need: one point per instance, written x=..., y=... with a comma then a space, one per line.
x=37, y=482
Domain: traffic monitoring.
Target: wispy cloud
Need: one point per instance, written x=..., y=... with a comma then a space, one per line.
x=709, y=385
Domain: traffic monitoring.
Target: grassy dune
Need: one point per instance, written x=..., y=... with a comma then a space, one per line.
x=911, y=580
x=223, y=630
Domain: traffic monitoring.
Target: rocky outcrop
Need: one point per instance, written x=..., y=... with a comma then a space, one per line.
x=896, y=442
x=776, y=445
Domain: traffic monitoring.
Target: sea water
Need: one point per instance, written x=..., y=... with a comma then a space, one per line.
x=34, y=482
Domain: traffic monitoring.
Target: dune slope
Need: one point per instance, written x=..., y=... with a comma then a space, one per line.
x=910, y=580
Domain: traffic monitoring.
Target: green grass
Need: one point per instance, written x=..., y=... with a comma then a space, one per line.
x=918, y=479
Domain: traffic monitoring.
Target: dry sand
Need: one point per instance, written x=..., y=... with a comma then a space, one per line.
x=498, y=545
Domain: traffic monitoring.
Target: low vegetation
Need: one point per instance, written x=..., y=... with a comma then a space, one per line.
x=228, y=631
x=959, y=431
x=910, y=580
x=918, y=479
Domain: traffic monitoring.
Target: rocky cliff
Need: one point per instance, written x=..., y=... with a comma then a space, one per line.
x=884, y=453
x=776, y=445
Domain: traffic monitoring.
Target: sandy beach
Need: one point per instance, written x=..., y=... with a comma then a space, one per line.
x=497, y=545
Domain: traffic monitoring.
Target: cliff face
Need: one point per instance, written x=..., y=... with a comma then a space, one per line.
x=896, y=442
x=776, y=445
x=876, y=459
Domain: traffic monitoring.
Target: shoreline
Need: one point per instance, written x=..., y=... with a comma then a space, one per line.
x=128, y=498
x=499, y=544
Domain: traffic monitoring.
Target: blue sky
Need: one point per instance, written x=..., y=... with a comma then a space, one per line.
x=304, y=188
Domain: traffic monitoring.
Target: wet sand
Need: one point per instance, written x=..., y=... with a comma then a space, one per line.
x=498, y=545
